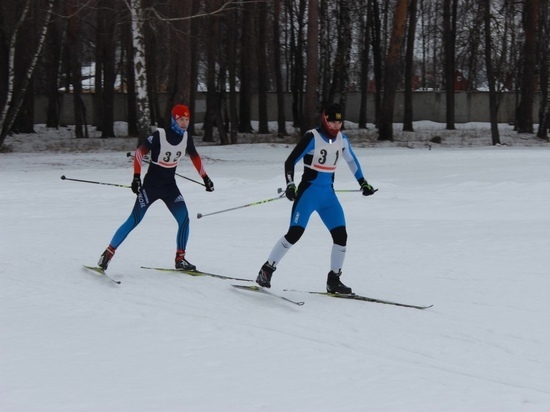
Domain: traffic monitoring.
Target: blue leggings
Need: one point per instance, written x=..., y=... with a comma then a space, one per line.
x=173, y=199
x=320, y=199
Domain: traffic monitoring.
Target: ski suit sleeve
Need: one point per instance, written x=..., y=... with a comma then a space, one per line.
x=140, y=152
x=305, y=144
x=195, y=157
x=351, y=160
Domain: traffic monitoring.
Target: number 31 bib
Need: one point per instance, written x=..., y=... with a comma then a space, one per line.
x=326, y=154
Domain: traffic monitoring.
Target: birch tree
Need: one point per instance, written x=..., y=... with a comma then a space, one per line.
x=16, y=87
x=138, y=42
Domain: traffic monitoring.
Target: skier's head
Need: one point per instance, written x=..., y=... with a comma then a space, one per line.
x=331, y=120
x=180, y=118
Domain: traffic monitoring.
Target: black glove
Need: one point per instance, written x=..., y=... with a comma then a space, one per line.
x=290, y=191
x=136, y=183
x=208, y=183
x=366, y=188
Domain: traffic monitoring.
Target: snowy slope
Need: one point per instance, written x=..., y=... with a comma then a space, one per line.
x=463, y=229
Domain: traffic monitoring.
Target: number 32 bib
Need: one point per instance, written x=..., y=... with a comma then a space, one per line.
x=169, y=155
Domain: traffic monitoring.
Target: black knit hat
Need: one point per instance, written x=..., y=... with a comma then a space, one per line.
x=333, y=113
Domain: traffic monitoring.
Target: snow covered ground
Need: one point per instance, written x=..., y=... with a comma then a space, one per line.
x=463, y=228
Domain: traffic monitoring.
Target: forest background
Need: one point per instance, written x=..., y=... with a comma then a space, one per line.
x=231, y=50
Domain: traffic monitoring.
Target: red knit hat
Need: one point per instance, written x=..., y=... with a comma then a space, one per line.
x=180, y=110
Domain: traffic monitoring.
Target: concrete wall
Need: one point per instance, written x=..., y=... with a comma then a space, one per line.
x=469, y=107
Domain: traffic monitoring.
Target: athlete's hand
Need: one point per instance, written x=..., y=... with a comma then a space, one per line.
x=366, y=188
x=208, y=183
x=290, y=191
x=136, y=183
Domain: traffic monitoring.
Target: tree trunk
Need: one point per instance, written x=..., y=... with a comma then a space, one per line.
x=310, y=118
x=232, y=74
x=24, y=120
x=364, y=77
x=530, y=26
x=325, y=50
x=212, y=99
x=109, y=71
x=344, y=53
x=490, y=76
x=449, y=33
x=75, y=63
x=14, y=98
x=153, y=78
x=263, y=68
x=296, y=52
x=544, y=30
x=97, y=118
x=544, y=124
x=245, y=96
x=131, y=102
x=183, y=36
x=277, y=67
x=392, y=70
x=138, y=42
x=409, y=69
x=375, y=24
x=193, y=63
x=53, y=49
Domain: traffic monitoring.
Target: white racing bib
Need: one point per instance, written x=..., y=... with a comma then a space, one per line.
x=169, y=154
x=326, y=154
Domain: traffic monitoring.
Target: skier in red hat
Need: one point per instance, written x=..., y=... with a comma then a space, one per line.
x=166, y=146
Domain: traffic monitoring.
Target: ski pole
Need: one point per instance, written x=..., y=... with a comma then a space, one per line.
x=282, y=195
x=352, y=190
x=177, y=174
x=97, y=183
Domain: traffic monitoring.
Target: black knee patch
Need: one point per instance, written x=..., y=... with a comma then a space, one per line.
x=339, y=235
x=294, y=234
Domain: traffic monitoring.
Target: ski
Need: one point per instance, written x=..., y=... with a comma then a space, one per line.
x=353, y=296
x=195, y=273
x=259, y=289
x=97, y=269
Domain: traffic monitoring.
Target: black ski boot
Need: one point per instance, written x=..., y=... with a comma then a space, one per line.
x=264, y=276
x=182, y=263
x=106, y=257
x=335, y=285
